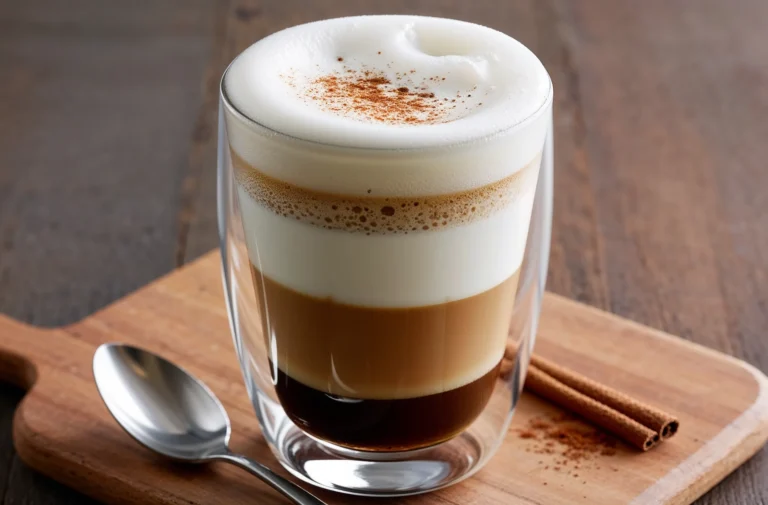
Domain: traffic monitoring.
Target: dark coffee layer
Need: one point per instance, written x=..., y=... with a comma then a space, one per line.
x=384, y=425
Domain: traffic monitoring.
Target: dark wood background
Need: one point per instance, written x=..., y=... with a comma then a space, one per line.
x=107, y=146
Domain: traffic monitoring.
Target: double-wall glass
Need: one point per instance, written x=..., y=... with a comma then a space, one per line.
x=371, y=323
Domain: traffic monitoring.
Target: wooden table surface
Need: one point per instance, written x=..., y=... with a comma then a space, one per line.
x=107, y=150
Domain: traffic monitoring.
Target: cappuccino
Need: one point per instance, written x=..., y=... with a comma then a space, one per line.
x=385, y=170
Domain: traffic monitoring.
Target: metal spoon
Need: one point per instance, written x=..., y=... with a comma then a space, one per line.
x=170, y=412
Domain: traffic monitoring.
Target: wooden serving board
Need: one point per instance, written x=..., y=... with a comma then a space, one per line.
x=63, y=430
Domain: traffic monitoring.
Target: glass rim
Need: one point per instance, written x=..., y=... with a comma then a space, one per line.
x=251, y=122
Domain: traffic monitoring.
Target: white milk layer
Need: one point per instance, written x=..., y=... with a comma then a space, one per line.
x=418, y=269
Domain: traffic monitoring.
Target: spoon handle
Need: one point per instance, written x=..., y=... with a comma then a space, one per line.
x=284, y=486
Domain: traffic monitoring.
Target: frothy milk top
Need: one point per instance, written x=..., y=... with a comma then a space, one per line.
x=388, y=82
x=387, y=161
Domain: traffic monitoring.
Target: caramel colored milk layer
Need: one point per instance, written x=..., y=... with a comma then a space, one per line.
x=380, y=353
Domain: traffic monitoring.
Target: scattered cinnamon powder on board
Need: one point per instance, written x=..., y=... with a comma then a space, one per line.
x=572, y=443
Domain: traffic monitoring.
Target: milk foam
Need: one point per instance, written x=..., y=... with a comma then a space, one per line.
x=340, y=153
x=271, y=81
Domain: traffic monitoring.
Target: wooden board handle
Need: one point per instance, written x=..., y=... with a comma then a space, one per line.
x=21, y=351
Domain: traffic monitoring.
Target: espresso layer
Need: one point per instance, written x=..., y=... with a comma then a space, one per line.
x=385, y=425
x=387, y=214
x=379, y=353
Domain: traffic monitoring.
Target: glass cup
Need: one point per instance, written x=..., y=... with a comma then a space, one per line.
x=387, y=395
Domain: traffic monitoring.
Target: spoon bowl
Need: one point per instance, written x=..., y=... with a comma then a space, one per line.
x=170, y=412
x=160, y=405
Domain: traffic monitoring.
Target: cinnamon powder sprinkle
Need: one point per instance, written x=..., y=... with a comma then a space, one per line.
x=572, y=443
x=374, y=97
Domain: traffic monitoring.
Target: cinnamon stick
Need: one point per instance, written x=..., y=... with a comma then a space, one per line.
x=617, y=423
x=637, y=423
x=659, y=421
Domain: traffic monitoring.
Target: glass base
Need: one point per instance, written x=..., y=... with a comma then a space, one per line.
x=361, y=473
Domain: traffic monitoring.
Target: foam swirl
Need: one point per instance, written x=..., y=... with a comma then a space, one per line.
x=343, y=81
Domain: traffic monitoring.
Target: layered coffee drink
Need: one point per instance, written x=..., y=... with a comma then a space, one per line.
x=385, y=169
